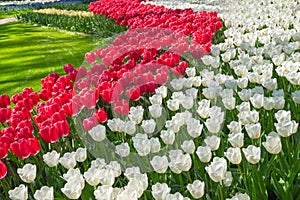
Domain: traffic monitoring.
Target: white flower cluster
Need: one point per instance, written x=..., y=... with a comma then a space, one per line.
x=197, y=5
x=68, y=160
x=26, y=2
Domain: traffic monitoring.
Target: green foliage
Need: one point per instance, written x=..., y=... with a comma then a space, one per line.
x=97, y=25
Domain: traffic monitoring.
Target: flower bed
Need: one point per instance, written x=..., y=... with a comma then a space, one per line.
x=53, y=11
x=81, y=21
x=164, y=119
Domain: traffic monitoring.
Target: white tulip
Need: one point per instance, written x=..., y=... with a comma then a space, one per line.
x=227, y=179
x=196, y=81
x=51, y=158
x=270, y=84
x=19, y=193
x=240, y=196
x=229, y=103
x=234, y=155
x=279, y=102
x=177, y=84
x=130, y=128
x=81, y=154
x=243, y=107
x=204, y=153
x=273, y=143
x=156, y=99
x=188, y=146
x=213, y=142
x=194, y=128
x=68, y=160
x=253, y=130
x=160, y=164
x=242, y=82
x=191, y=71
x=213, y=125
x=173, y=105
x=296, y=96
x=115, y=125
x=203, y=108
x=245, y=94
x=162, y=90
x=168, y=136
x=283, y=115
x=106, y=192
x=179, y=162
x=187, y=102
x=196, y=189
x=217, y=169
x=98, y=133
x=45, y=193
x=27, y=173
x=142, y=144
x=235, y=127
x=160, y=191
x=155, y=145
x=136, y=113
x=252, y=154
x=192, y=92
x=92, y=176
x=155, y=110
x=236, y=139
x=148, y=126
x=257, y=100
x=127, y=195
x=269, y=103
x=286, y=128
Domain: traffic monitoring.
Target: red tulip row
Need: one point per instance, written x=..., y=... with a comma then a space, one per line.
x=134, y=64
x=134, y=14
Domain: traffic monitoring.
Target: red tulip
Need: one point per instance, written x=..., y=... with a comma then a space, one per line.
x=133, y=93
x=90, y=123
x=49, y=134
x=5, y=114
x=35, y=146
x=122, y=107
x=21, y=148
x=3, y=150
x=90, y=57
x=101, y=115
x=3, y=170
x=4, y=101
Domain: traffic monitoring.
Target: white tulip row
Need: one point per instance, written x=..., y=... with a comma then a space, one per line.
x=27, y=2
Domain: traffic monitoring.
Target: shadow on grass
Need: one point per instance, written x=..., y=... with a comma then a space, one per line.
x=28, y=53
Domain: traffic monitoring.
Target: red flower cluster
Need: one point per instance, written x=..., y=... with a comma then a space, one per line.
x=50, y=121
x=134, y=14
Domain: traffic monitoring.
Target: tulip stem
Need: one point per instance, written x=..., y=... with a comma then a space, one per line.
x=242, y=173
x=221, y=197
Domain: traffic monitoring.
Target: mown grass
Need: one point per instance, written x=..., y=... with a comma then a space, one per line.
x=28, y=53
x=8, y=14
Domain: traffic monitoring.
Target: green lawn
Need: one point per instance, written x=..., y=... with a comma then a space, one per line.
x=28, y=53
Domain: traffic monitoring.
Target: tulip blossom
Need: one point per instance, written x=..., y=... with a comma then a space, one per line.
x=45, y=193
x=3, y=170
x=19, y=193
x=217, y=169
x=27, y=173
x=159, y=164
x=272, y=143
x=204, y=153
x=160, y=191
x=51, y=158
x=123, y=149
x=196, y=189
x=252, y=154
